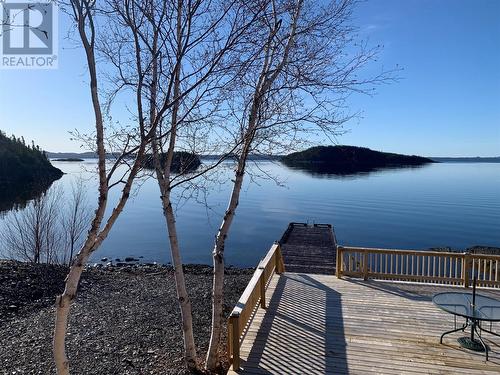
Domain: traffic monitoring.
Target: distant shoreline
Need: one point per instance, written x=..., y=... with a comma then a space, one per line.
x=68, y=159
x=467, y=159
x=60, y=156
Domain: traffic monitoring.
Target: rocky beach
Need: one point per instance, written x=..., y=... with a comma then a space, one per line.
x=125, y=320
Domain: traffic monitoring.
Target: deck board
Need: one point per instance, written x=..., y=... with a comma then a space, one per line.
x=318, y=324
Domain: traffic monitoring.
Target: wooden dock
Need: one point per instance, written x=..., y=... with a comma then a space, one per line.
x=309, y=248
x=318, y=324
x=375, y=316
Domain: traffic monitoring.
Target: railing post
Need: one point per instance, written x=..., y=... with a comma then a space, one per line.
x=229, y=340
x=465, y=269
x=338, y=263
x=365, y=265
x=262, y=287
x=280, y=267
x=278, y=260
x=235, y=328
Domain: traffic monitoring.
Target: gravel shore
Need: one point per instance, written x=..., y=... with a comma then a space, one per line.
x=125, y=320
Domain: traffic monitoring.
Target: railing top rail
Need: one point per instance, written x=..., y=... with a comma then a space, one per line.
x=486, y=256
x=252, y=284
x=254, y=281
x=400, y=251
x=418, y=252
x=269, y=255
x=422, y=266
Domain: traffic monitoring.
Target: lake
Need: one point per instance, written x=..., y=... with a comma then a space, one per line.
x=438, y=205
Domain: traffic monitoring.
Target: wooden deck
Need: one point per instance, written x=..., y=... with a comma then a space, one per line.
x=309, y=248
x=318, y=324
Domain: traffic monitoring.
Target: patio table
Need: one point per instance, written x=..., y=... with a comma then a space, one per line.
x=476, y=309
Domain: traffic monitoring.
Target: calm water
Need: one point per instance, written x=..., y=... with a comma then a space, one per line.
x=447, y=204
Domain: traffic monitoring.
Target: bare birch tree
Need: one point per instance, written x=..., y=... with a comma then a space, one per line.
x=33, y=234
x=169, y=55
x=49, y=228
x=130, y=154
x=76, y=217
x=211, y=79
x=297, y=68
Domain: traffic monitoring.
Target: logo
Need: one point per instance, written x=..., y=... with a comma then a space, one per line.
x=28, y=36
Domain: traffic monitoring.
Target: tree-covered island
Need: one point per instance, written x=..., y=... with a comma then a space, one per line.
x=349, y=159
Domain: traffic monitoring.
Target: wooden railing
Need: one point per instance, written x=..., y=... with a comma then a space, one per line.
x=420, y=266
x=253, y=297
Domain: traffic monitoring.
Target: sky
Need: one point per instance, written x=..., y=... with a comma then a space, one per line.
x=445, y=103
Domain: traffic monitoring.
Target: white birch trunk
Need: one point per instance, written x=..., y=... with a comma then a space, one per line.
x=82, y=11
x=218, y=263
x=163, y=175
x=63, y=304
x=64, y=301
x=94, y=240
x=264, y=83
x=180, y=283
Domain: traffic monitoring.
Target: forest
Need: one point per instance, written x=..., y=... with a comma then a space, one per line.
x=22, y=164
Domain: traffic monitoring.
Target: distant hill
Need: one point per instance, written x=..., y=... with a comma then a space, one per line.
x=71, y=155
x=349, y=159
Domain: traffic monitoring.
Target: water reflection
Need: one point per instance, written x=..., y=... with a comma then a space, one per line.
x=329, y=171
x=17, y=197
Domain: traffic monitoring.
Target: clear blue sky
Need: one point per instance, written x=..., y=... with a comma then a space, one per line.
x=446, y=104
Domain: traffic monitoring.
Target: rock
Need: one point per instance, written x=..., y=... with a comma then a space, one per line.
x=104, y=259
x=131, y=259
x=118, y=260
x=128, y=361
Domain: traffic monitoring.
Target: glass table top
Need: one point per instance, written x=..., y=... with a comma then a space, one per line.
x=486, y=308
